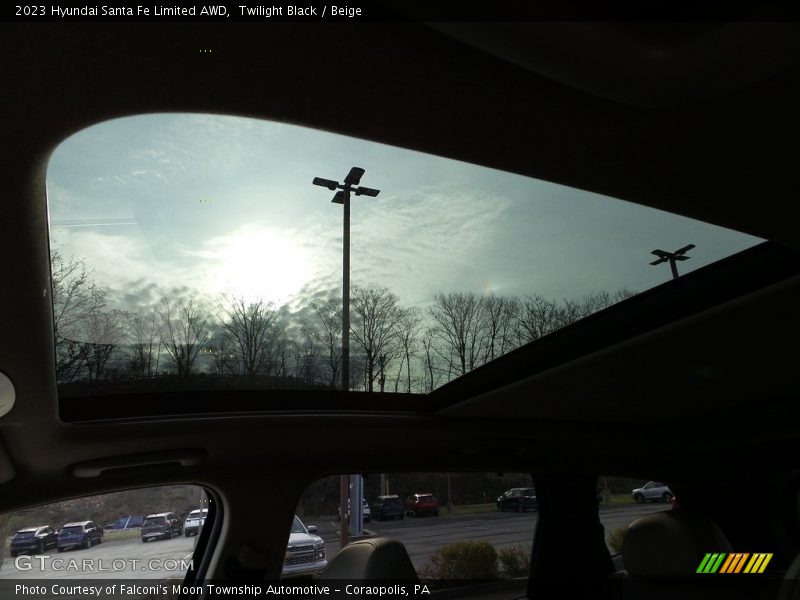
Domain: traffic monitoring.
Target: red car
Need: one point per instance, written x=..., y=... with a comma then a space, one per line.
x=422, y=504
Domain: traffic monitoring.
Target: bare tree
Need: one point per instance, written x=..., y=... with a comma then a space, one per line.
x=500, y=315
x=376, y=315
x=222, y=353
x=252, y=331
x=358, y=370
x=184, y=332
x=432, y=374
x=103, y=333
x=539, y=317
x=144, y=336
x=330, y=317
x=76, y=298
x=459, y=326
x=407, y=335
x=597, y=301
x=307, y=353
x=280, y=355
x=383, y=361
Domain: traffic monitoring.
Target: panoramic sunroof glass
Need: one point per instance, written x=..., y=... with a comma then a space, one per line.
x=194, y=252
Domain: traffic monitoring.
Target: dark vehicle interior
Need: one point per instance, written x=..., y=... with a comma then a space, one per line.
x=692, y=383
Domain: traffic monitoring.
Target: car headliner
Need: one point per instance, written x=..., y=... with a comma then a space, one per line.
x=693, y=368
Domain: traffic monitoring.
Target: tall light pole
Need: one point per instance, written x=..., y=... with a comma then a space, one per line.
x=342, y=197
x=672, y=257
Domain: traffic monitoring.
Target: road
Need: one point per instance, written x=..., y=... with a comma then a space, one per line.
x=130, y=559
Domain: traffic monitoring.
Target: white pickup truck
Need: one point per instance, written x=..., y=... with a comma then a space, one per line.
x=305, y=554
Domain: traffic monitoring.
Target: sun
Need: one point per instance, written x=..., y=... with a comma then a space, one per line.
x=263, y=264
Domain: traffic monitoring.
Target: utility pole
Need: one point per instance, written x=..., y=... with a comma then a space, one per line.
x=672, y=258
x=342, y=197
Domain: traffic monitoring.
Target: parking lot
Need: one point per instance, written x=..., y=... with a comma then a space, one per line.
x=126, y=558
x=130, y=559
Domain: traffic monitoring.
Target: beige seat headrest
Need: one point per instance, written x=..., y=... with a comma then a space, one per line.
x=372, y=559
x=670, y=544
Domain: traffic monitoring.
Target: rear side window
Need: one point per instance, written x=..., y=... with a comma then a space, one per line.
x=454, y=526
x=73, y=529
x=84, y=549
x=154, y=520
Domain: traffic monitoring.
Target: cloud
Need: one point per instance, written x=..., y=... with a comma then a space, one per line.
x=416, y=243
x=224, y=204
x=139, y=293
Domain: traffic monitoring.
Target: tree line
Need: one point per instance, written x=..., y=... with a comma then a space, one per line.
x=392, y=347
x=322, y=497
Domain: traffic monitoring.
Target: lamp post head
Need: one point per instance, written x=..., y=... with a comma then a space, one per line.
x=328, y=183
x=365, y=191
x=350, y=184
x=354, y=176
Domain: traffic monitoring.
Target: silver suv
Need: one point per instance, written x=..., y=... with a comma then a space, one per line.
x=194, y=521
x=654, y=491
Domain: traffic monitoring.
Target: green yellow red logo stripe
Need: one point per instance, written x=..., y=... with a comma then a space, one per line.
x=734, y=562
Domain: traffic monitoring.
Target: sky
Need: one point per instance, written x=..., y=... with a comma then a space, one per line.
x=208, y=204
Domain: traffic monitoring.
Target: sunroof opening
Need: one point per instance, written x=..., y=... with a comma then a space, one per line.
x=194, y=252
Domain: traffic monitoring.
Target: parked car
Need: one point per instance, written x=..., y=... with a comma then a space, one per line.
x=366, y=513
x=161, y=525
x=654, y=491
x=33, y=540
x=194, y=521
x=84, y=534
x=518, y=499
x=418, y=505
x=305, y=554
x=388, y=507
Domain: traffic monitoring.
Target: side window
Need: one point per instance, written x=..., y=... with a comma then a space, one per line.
x=458, y=532
x=84, y=549
x=625, y=497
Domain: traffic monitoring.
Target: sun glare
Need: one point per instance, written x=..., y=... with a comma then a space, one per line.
x=259, y=264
